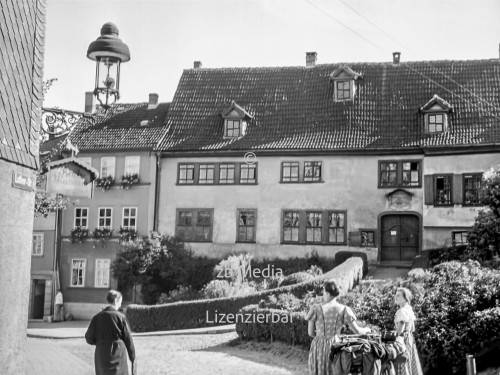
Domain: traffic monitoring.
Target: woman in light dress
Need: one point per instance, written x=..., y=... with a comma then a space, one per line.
x=325, y=323
x=405, y=326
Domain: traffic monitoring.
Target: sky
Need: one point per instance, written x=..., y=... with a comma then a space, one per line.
x=167, y=36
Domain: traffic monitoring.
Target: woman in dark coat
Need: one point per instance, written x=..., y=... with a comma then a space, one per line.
x=109, y=331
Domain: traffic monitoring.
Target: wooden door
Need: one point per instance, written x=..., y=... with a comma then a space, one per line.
x=400, y=237
x=38, y=298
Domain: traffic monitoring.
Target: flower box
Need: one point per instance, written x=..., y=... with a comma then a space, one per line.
x=129, y=179
x=127, y=234
x=79, y=233
x=104, y=183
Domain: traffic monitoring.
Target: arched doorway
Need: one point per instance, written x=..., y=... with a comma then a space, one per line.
x=399, y=237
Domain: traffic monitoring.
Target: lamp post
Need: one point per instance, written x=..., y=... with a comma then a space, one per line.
x=108, y=51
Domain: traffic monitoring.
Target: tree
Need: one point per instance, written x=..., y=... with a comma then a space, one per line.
x=484, y=236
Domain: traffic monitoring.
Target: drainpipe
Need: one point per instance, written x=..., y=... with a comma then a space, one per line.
x=57, y=246
x=157, y=192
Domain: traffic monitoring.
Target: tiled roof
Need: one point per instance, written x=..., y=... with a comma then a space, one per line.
x=120, y=128
x=22, y=36
x=293, y=107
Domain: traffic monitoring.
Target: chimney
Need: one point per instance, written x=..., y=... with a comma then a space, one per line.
x=153, y=101
x=197, y=65
x=311, y=58
x=395, y=57
x=89, y=103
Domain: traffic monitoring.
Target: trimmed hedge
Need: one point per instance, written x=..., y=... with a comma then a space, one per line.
x=201, y=313
x=342, y=256
x=294, y=330
x=296, y=278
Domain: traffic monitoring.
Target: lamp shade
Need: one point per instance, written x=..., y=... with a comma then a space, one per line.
x=108, y=45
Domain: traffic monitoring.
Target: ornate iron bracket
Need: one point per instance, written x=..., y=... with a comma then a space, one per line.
x=57, y=121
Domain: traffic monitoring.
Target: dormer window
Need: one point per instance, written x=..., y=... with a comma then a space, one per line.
x=235, y=121
x=436, y=115
x=232, y=128
x=344, y=86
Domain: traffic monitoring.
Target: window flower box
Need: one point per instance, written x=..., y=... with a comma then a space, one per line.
x=104, y=183
x=129, y=180
x=127, y=234
x=79, y=233
x=102, y=234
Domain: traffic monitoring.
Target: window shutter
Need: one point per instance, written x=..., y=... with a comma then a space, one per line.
x=429, y=189
x=355, y=238
x=457, y=186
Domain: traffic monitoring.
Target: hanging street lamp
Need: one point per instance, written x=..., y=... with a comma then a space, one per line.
x=108, y=51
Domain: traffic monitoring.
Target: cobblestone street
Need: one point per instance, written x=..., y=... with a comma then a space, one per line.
x=172, y=355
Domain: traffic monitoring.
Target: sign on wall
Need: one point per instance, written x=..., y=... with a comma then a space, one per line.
x=71, y=178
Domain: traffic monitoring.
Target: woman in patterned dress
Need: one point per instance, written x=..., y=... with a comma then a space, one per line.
x=325, y=322
x=405, y=326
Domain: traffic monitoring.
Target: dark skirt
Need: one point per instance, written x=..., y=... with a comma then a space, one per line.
x=111, y=358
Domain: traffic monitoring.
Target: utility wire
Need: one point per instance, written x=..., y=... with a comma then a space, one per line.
x=426, y=62
x=407, y=65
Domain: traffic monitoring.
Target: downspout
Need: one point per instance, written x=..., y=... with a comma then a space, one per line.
x=57, y=247
x=157, y=192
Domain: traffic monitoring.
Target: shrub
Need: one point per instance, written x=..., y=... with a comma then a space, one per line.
x=182, y=293
x=342, y=256
x=296, y=278
x=193, y=314
x=223, y=288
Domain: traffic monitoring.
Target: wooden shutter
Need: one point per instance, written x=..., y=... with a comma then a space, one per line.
x=429, y=189
x=355, y=238
x=458, y=190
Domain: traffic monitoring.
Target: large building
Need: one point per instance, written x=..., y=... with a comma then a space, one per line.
x=22, y=36
x=384, y=158
x=119, y=144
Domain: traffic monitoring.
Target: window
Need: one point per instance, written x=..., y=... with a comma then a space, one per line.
x=388, y=174
x=313, y=227
x=132, y=165
x=336, y=227
x=108, y=166
x=129, y=218
x=194, y=225
x=290, y=226
x=86, y=161
x=343, y=90
x=319, y=227
x=186, y=173
x=206, y=174
x=435, y=123
x=81, y=217
x=472, y=189
x=248, y=173
x=78, y=272
x=290, y=171
x=102, y=273
x=368, y=238
x=442, y=190
x=246, y=225
x=37, y=246
x=217, y=173
x=312, y=171
x=226, y=174
x=233, y=128
x=460, y=237
x=399, y=173
x=105, y=218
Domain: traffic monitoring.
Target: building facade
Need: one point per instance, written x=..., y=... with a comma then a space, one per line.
x=22, y=46
x=383, y=158
x=119, y=145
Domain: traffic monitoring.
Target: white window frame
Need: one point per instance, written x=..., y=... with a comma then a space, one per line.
x=84, y=268
x=86, y=160
x=344, y=80
x=110, y=165
x=130, y=162
x=134, y=227
x=233, y=121
x=99, y=217
x=80, y=218
x=102, y=273
x=39, y=241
